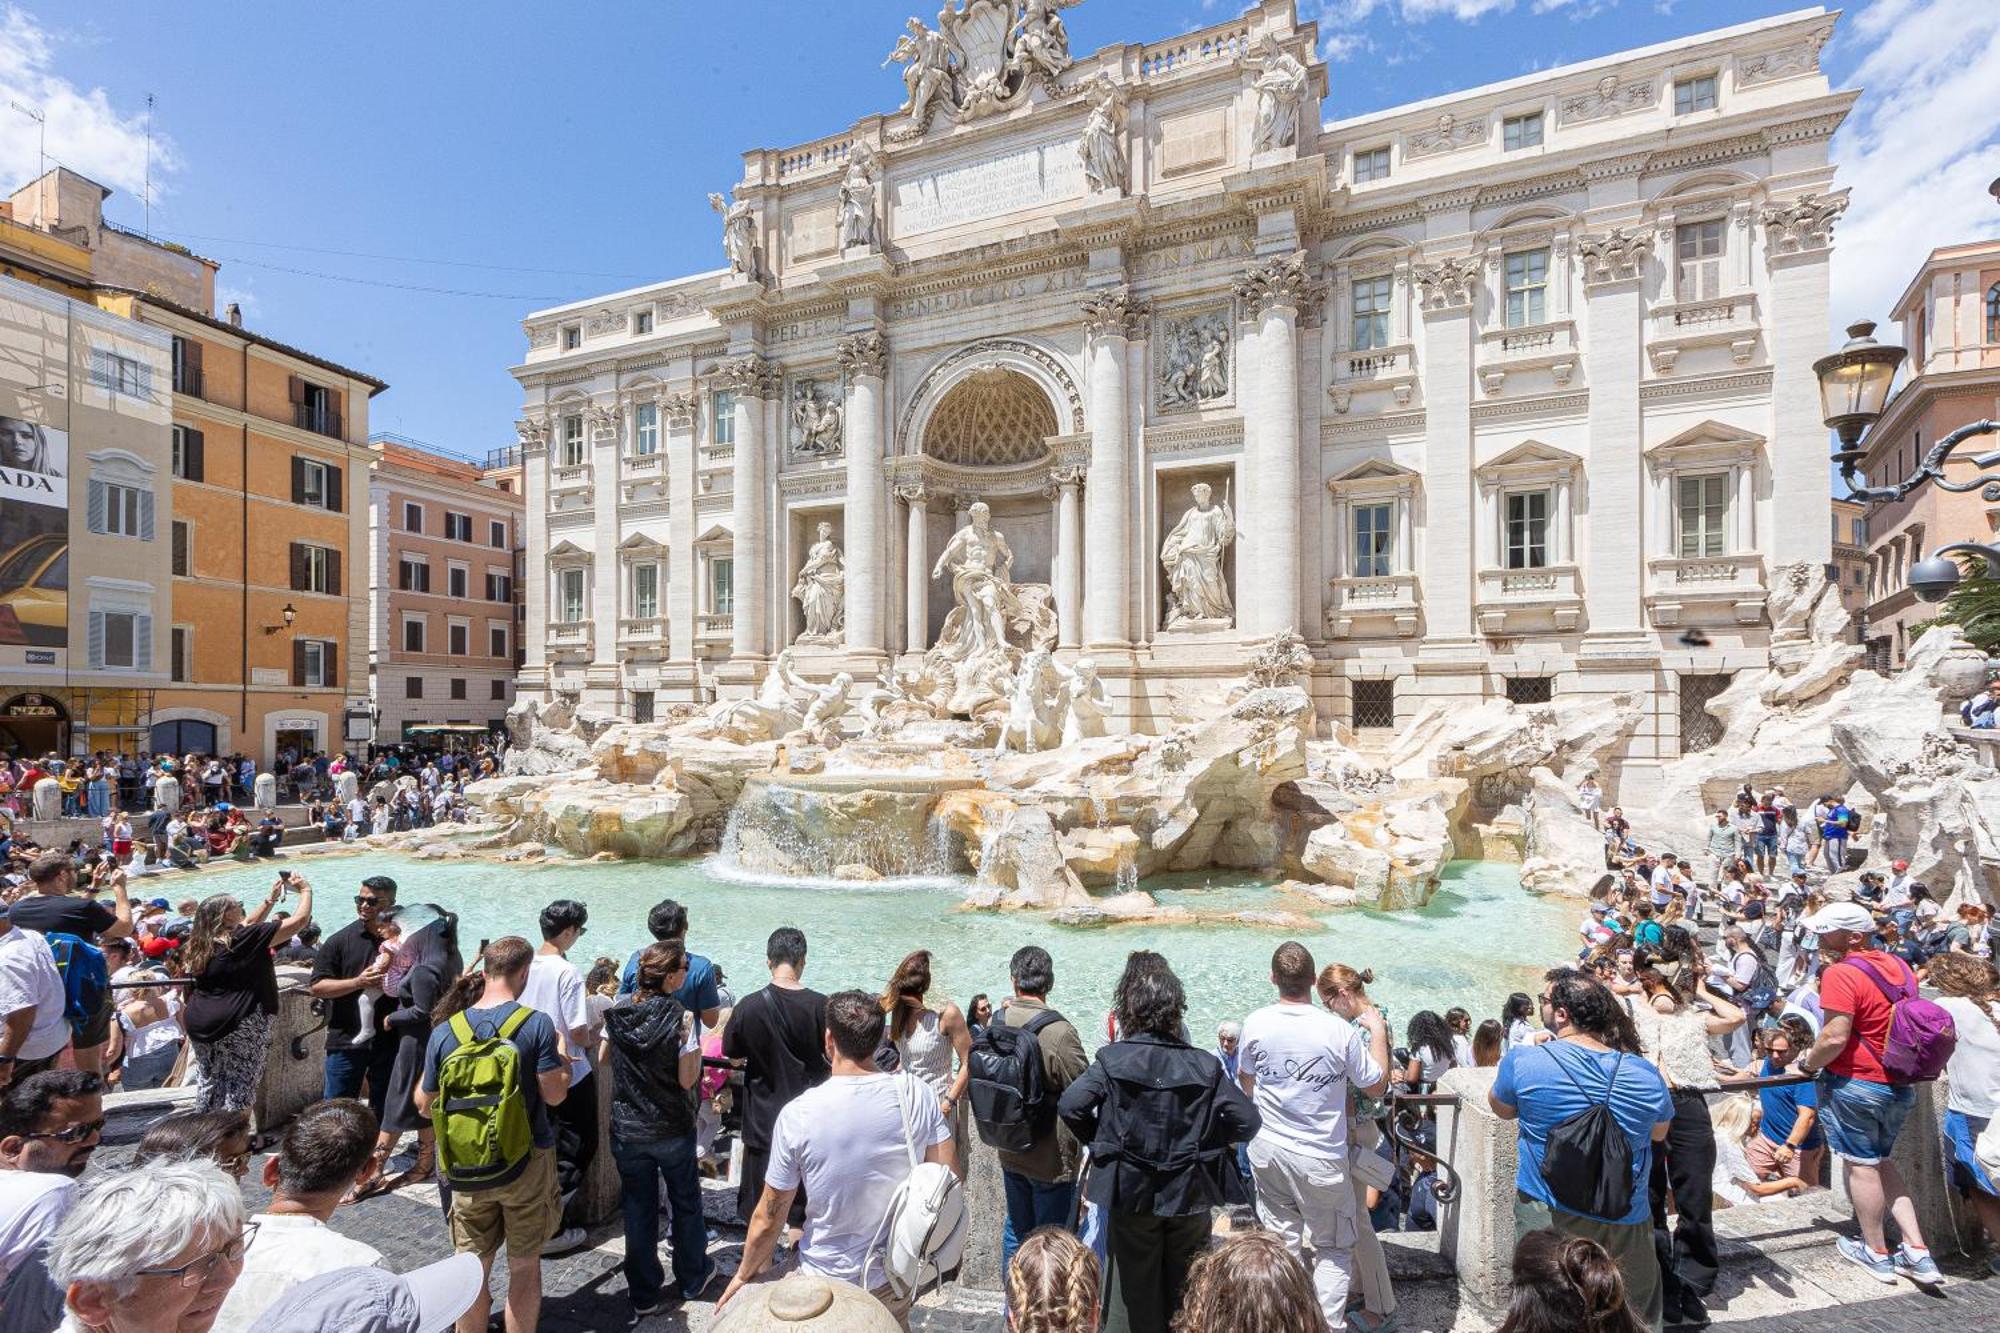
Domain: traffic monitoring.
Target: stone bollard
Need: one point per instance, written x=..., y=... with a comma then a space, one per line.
x=346, y=786
x=47, y=798
x=986, y=1213
x=167, y=793
x=291, y=1082
x=596, y=1201
x=265, y=791
x=1476, y=1229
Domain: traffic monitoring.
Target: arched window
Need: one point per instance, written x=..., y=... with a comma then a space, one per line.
x=1993, y=313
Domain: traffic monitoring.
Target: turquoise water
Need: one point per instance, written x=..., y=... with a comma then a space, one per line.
x=1481, y=938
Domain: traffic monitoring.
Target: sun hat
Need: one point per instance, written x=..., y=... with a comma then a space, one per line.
x=373, y=1300
x=1841, y=916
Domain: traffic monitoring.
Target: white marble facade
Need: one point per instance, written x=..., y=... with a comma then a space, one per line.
x=1507, y=391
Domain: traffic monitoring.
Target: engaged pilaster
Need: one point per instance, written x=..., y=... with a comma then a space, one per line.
x=1275, y=296
x=865, y=361
x=1798, y=245
x=677, y=417
x=751, y=380
x=1446, y=288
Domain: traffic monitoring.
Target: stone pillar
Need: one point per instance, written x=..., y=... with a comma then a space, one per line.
x=1274, y=294
x=1614, y=593
x=916, y=571
x=1476, y=1229
x=1798, y=243
x=865, y=358
x=607, y=601
x=1452, y=552
x=1069, y=557
x=534, y=437
x=751, y=379
x=1111, y=318
x=677, y=418
x=266, y=792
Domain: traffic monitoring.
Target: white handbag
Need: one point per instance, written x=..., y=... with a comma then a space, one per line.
x=922, y=1236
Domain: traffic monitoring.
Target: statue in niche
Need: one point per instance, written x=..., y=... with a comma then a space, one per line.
x=816, y=420
x=981, y=564
x=1194, y=361
x=1281, y=95
x=821, y=590
x=857, y=200
x=926, y=59
x=1041, y=42
x=739, y=234
x=1085, y=702
x=1101, y=147
x=1036, y=704
x=1198, y=596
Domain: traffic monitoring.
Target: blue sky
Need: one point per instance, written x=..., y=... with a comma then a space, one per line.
x=339, y=158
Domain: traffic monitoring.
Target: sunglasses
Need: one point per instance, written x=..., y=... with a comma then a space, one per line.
x=363, y=901
x=89, y=1129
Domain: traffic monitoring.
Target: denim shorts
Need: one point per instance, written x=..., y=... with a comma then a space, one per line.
x=1961, y=1132
x=1862, y=1119
x=1766, y=842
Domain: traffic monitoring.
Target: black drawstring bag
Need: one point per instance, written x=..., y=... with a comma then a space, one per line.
x=1587, y=1163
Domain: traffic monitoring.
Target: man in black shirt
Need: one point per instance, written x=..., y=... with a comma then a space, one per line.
x=348, y=963
x=779, y=1035
x=53, y=910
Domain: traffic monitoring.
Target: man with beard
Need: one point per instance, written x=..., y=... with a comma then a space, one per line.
x=50, y=1124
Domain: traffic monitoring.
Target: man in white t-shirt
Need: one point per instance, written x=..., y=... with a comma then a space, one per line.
x=49, y=1127
x=325, y=1150
x=33, y=1027
x=847, y=1144
x=555, y=988
x=1299, y=1061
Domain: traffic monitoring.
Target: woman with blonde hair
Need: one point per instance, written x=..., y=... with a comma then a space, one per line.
x=1734, y=1181
x=1971, y=995
x=1249, y=1284
x=1052, y=1284
x=926, y=1042
x=1344, y=991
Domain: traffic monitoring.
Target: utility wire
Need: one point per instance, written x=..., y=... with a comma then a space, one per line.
x=378, y=282
x=407, y=259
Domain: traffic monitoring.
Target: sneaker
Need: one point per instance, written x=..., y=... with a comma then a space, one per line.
x=563, y=1242
x=700, y=1289
x=1691, y=1314
x=650, y=1309
x=1922, y=1271
x=1878, y=1266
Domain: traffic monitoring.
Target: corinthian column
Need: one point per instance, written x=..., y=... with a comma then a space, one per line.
x=865, y=358
x=1069, y=556
x=677, y=413
x=916, y=571
x=1274, y=295
x=751, y=379
x=1110, y=319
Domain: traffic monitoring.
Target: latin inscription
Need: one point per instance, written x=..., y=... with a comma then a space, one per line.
x=1007, y=184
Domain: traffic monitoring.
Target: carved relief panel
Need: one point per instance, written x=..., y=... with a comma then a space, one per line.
x=1193, y=360
x=813, y=409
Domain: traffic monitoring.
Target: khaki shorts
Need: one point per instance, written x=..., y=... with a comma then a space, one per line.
x=522, y=1214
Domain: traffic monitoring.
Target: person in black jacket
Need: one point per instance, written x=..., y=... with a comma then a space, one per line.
x=433, y=946
x=653, y=1047
x=1162, y=1120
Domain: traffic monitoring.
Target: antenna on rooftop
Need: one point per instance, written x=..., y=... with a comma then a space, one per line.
x=149, y=167
x=35, y=114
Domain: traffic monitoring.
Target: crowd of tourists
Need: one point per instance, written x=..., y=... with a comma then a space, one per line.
x=1715, y=1039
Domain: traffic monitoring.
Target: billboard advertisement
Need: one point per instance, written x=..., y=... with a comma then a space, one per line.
x=34, y=543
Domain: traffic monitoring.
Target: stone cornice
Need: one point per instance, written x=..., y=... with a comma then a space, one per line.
x=1380, y=424
x=1747, y=382
x=1538, y=405
x=1185, y=437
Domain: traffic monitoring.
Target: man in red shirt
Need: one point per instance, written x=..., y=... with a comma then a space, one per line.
x=1861, y=1110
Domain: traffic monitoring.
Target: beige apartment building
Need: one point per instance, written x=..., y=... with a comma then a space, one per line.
x=1950, y=322
x=1850, y=554
x=444, y=538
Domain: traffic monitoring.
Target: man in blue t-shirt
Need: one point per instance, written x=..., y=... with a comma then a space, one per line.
x=1546, y=1085
x=522, y=1213
x=700, y=993
x=1789, y=1141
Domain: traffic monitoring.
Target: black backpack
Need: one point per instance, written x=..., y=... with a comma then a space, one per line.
x=1587, y=1162
x=1012, y=1103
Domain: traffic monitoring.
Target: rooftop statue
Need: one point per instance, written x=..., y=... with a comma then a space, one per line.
x=739, y=234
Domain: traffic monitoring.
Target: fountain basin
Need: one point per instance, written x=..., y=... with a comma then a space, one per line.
x=835, y=825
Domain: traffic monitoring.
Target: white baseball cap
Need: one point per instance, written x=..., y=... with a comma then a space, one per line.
x=1841, y=916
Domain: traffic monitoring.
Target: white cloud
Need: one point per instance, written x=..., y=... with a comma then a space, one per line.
x=1341, y=21
x=1919, y=148
x=86, y=133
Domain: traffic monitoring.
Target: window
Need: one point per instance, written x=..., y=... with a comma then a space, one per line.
x=569, y=596
x=182, y=556
x=1696, y=94
x=500, y=689
x=722, y=587
x=181, y=641
x=120, y=374
x=1993, y=313
x=458, y=638
x=189, y=463
x=642, y=321
x=458, y=687
x=315, y=663
x=1859, y=528
x=413, y=575
x=496, y=641
x=186, y=361
x=315, y=484
x=1527, y=288
x=1521, y=131
x=1374, y=704
x=1698, y=260
x=572, y=337
x=413, y=687
x=315, y=569
x=642, y=705
x=499, y=588
x=1530, y=689
x=1527, y=530
x=457, y=527
x=120, y=511
x=455, y=580
x=121, y=640
x=1371, y=313
x=315, y=408
x=1704, y=506
x=646, y=429
x=497, y=535
x=645, y=592
x=572, y=441
x=413, y=517
x=724, y=429
x=1372, y=548
x=413, y=634
x=1371, y=164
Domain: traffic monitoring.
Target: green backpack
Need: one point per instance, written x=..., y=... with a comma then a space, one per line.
x=484, y=1133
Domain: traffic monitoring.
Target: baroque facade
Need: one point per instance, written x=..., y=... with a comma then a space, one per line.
x=1502, y=393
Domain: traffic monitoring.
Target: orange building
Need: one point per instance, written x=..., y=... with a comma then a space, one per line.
x=443, y=634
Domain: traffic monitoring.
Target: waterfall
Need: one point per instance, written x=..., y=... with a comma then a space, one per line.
x=780, y=832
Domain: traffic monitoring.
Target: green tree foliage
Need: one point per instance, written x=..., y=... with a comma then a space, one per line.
x=1974, y=606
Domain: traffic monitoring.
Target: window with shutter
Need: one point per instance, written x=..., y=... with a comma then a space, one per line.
x=95, y=505
x=298, y=475
x=333, y=572
x=1698, y=257
x=457, y=687
x=182, y=563
x=301, y=578
x=96, y=639
x=413, y=687
x=329, y=664
x=145, y=515
x=182, y=667
x=334, y=499
x=298, y=661
x=1704, y=513
x=142, y=643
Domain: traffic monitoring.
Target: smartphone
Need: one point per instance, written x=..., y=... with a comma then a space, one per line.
x=284, y=874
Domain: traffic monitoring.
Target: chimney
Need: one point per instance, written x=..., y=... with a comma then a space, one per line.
x=234, y=314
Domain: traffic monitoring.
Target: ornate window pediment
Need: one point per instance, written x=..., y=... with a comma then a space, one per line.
x=1375, y=475
x=1708, y=444
x=568, y=553
x=716, y=535
x=1529, y=461
x=641, y=547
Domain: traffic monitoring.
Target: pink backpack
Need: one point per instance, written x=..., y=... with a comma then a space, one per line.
x=1922, y=1035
